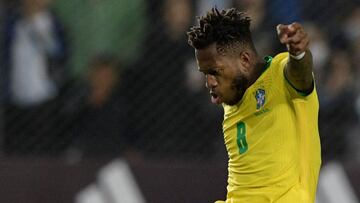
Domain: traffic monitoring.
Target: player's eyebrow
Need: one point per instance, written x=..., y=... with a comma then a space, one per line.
x=202, y=70
x=206, y=71
x=211, y=70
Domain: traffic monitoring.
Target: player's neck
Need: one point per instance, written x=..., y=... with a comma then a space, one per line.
x=259, y=68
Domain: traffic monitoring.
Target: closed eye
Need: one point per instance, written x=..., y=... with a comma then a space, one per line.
x=211, y=71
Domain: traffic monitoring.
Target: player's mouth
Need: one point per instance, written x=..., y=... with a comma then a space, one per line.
x=215, y=98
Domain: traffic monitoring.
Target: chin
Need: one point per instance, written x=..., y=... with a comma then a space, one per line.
x=230, y=103
x=234, y=101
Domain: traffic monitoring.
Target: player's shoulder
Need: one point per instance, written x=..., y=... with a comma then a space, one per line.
x=281, y=57
x=278, y=62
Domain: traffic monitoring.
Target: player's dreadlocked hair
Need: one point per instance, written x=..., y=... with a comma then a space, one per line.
x=227, y=28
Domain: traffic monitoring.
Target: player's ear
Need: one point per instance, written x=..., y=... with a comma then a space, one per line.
x=245, y=59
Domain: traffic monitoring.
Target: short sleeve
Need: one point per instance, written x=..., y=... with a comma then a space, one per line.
x=293, y=92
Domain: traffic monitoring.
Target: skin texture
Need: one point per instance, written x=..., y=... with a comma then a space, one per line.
x=229, y=73
x=298, y=72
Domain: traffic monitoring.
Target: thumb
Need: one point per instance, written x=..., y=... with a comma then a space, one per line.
x=282, y=32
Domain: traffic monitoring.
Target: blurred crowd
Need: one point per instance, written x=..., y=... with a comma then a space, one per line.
x=108, y=78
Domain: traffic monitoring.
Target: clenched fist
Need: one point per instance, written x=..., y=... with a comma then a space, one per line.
x=294, y=37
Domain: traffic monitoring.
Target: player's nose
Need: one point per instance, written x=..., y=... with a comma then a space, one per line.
x=211, y=81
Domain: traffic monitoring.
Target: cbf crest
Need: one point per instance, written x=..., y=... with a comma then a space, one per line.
x=260, y=98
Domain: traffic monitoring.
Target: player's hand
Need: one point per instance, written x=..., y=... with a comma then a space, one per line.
x=294, y=37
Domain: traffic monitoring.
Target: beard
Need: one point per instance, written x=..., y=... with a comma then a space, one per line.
x=239, y=86
x=240, y=83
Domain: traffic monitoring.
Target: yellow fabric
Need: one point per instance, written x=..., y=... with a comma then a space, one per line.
x=274, y=151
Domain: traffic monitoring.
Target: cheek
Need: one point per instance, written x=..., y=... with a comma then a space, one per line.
x=227, y=88
x=235, y=84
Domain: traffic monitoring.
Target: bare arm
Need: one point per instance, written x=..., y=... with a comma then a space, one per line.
x=299, y=67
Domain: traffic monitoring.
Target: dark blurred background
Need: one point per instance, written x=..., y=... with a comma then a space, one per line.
x=85, y=82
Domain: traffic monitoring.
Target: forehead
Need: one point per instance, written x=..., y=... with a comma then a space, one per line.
x=207, y=57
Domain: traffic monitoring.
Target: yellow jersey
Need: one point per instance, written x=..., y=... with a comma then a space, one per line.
x=272, y=141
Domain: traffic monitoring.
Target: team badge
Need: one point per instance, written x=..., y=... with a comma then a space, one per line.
x=260, y=98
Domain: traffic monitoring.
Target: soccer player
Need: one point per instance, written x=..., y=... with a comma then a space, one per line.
x=270, y=108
